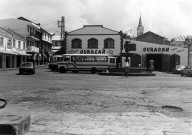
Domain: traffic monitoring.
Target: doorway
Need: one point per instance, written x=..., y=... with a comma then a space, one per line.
x=157, y=58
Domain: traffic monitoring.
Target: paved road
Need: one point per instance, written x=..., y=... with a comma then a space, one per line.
x=84, y=103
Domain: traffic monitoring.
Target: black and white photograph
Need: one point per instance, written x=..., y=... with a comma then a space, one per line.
x=95, y=67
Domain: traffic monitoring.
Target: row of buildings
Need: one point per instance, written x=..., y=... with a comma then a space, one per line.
x=23, y=40
x=34, y=43
x=96, y=39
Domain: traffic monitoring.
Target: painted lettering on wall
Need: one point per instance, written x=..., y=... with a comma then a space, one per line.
x=156, y=49
x=110, y=52
x=92, y=51
x=181, y=50
x=72, y=51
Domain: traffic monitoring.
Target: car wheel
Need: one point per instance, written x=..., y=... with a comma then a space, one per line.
x=181, y=74
x=62, y=70
x=93, y=70
x=189, y=74
x=20, y=72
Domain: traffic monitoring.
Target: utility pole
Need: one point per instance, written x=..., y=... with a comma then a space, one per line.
x=61, y=24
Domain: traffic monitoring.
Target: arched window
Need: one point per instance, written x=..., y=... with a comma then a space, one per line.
x=109, y=43
x=76, y=43
x=92, y=43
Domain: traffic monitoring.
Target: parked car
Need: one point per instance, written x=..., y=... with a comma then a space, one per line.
x=186, y=71
x=27, y=67
x=178, y=68
x=53, y=66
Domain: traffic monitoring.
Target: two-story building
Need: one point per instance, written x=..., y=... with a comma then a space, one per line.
x=93, y=39
x=45, y=47
x=12, y=49
x=32, y=33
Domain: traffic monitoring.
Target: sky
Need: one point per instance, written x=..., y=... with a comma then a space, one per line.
x=167, y=18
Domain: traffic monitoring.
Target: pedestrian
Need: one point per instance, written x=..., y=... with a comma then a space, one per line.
x=126, y=68
x=151, y=65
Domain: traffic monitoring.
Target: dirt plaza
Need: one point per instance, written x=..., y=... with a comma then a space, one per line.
x=90, y=104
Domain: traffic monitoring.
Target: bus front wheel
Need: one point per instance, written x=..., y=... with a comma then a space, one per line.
x=62, y=70
x=93, y=70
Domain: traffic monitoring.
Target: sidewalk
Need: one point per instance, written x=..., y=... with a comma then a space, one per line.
x=17, y=68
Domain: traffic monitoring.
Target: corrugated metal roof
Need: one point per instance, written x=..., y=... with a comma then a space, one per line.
x=10, y=34
x=16, y=35
x=5, y=33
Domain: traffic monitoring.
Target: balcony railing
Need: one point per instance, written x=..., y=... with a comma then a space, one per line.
x=32, y=49
x=35, y=35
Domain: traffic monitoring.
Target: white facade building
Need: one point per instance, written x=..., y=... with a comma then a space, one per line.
x=93, y=39
x=165, y=57
x=12, y=49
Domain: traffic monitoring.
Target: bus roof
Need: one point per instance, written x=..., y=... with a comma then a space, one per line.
x=86, y=54
x=57, y=55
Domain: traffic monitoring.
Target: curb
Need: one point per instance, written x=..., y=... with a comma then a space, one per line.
x=130, y=74
x=7, y=69
x=14, y=121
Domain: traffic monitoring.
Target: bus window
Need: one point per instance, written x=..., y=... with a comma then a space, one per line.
x=112, y=60
x=103, y=59
x=66, y=58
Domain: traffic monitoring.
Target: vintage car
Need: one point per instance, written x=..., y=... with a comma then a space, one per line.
x=27, y=67
x=186, y=71
x=178, y=68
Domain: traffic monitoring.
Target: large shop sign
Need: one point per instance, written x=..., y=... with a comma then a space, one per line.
x=156, y=49
x=91, y=51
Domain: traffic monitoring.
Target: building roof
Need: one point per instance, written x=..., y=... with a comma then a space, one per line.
x=93, y=30
x=149, y=32
x=10, y=34
x=5, y=33
x=15, y=35
x=24, y=19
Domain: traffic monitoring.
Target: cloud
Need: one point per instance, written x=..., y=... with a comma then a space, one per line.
x=168, y=18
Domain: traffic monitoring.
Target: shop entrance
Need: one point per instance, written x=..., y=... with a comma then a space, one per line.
x=8, y=61
x=157, y=58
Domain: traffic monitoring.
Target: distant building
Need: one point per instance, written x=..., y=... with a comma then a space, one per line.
x=12, y=49
x=151, y=37
x=57, y=44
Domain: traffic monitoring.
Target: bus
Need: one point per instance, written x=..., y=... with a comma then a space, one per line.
x=53, y=65
x=86, y=62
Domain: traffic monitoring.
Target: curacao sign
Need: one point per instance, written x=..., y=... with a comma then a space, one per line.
x=156, y=49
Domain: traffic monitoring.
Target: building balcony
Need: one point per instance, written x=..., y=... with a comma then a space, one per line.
x=32, y=49
x=34, y=36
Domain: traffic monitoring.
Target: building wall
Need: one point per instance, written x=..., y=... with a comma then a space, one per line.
x=9, y=53
x=100, y=38
x=143, y=48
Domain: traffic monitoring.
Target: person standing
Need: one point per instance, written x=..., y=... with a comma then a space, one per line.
x=126, y=68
